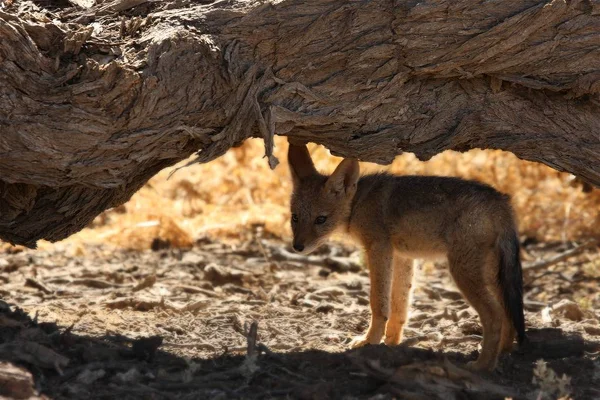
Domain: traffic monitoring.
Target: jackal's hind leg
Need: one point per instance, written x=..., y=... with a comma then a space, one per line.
x=475, y=272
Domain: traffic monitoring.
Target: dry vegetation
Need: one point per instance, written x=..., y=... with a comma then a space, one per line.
x=223, y=198
x=95, y=321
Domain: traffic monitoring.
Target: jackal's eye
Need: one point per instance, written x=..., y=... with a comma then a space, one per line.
x=320, y=219
x=294, y=218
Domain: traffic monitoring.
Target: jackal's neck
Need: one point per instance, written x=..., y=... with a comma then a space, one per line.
x=364, y=190
x=364, y=187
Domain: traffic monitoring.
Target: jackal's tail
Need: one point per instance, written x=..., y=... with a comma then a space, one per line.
x=510, y=279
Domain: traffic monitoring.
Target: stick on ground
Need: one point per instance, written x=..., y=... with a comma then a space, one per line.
x=561, y=257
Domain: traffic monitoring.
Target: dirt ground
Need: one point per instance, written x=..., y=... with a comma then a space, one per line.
x=254, y=321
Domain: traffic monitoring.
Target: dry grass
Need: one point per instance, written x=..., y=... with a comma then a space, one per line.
x=225, y=197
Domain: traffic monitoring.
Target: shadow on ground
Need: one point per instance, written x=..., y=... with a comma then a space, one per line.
x=66, y=365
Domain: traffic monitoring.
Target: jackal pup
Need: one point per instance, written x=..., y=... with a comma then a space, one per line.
x=399, y=218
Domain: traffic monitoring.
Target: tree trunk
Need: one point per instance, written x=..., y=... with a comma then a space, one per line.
x=96, y=97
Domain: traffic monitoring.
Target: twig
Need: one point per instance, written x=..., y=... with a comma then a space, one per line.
x=38, y=285
x=251, y=340
x=195, y=289
x=142, y=304
x=195, y=306
x=338, y=264
x=97, y=283
x=249, y=367
x=265, y=255
x=148, y=281
x=531, y=305
x=105, y=43
x=68, y=331
x=561, y=257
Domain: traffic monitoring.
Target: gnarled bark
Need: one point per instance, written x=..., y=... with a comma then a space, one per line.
x=93, y=106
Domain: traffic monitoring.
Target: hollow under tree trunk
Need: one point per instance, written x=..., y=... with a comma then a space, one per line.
x=96, y=100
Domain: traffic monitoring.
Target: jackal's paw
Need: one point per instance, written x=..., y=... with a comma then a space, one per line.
x=392, y=340
x=361, y=341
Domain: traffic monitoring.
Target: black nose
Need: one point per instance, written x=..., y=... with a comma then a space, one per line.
x=298, y=247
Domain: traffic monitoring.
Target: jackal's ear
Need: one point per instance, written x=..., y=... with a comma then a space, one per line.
x=344, y=178
x=301, y=165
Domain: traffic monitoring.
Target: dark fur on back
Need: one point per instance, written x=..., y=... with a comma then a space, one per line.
x=425, y=184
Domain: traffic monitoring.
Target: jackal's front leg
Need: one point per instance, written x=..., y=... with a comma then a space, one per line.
x=379, y=259
x=401, y=293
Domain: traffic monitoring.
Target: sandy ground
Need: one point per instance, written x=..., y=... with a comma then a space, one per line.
x=253, y=321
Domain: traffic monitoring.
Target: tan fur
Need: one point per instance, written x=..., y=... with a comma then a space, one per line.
x=397, y=219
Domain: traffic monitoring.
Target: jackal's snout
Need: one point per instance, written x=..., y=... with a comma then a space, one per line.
x=299, y=247
x=305, y=241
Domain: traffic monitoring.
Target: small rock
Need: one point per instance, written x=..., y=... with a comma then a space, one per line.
x=220, y=275
x=569, y=309
x=547, y=315
x=464, y=314
x=324, y=272
x=324, y=307
x=308, y=303
x=470, y=327
x=316, y=297
x=432, y=294
x=450, y=294
x=592, y=330
x=435, y=336
x=15, y=382
x=362, y=300
x=192, y=259
x=354, y=285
